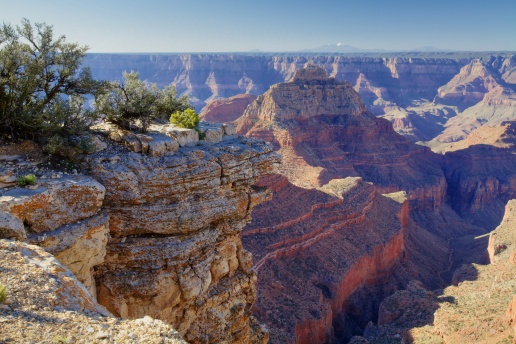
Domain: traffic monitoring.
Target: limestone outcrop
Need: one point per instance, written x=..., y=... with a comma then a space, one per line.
x=45, y=302
x=175, y=252
x=62, y=214
x=154, y=230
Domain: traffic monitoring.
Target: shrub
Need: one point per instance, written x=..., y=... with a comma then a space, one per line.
x=134, y=103
x=28, y=179
x=42, y=83
x=69, y=147
x=3, y=293
x=185, y=119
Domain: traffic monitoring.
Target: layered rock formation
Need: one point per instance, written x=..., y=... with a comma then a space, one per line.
x=481, y=179
x=313, y=248
x=479, y=308
x=317, y=244
x=501, y=136
x=64, y=216
x=175, y=252
x=469, y=86
x=482, y=96
x=206, y=77
x=155, y=233
x=323, y=131
x=47, y=303
x=226, y=110
x=402, y=89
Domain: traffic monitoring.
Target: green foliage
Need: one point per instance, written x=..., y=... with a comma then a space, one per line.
x=185, y=119
x=3, y=293
x=28, y=179
x=42, y=83
x=85, y=145
x=134, y=103
x=69, y=147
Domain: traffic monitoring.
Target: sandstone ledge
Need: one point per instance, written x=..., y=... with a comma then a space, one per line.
x=175, y=252
x=47, y=304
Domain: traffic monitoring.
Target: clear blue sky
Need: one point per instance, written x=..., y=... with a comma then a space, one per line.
x=272, y=25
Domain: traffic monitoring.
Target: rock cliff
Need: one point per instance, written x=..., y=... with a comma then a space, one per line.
x=64, y=216
x=154, y=230
x=316, y=244
x=226, y=110
x=314, y=248
x=325, y=135
x=479, y=307
x=45, y=302
x=175, y=252
x=481, y=179
x=323, y=131
x=206, y=77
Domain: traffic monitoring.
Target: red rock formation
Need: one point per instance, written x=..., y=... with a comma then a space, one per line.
x=481, y=179
x=321, y=128
x=228, y=109
x=501, y=136
x=323, y=238
x=314, y=247
x=479, y=307
x=469, y=86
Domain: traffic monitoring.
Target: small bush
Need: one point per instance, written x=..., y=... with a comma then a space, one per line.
x=29, y=179
x=3, y=293
x=55, y=145
x=71, y=147
x=186, y=119
x=85, y=145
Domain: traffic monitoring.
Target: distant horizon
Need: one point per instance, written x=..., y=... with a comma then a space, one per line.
x=230, y=26
x=306, y=52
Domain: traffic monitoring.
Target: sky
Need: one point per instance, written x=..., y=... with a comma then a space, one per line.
x=273, y=25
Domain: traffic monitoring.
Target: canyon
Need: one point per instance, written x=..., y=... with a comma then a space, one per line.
x=311, y=220
x=348, y=179
x=441, y=96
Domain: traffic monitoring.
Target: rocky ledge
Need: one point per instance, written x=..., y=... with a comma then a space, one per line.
x=46, y=303
x=175, y=252
x=154, y=230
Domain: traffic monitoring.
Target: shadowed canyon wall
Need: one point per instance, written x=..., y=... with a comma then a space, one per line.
x=323, y=269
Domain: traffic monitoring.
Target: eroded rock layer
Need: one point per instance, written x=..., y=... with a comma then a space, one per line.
x=45, y=302
x=313, y=248
x=175, y=252
x=226, y=110
x=323, y=131
x=419, y=93
x=478, y=308
x=325, y=134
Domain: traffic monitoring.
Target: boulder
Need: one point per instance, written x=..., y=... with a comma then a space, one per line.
x=11, y=227
x=54, y=203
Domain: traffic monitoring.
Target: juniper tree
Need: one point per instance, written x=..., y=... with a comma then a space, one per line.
x=42, y=82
